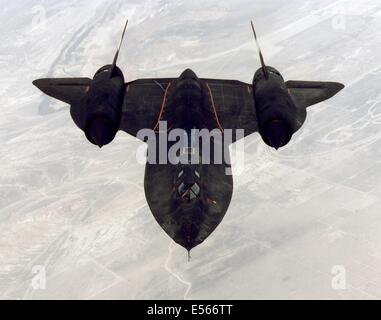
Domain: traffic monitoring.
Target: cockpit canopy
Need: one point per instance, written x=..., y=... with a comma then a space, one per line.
x=189, y=192
x=188, y=186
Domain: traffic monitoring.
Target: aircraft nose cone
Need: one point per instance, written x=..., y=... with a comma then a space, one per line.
x=276, y=133
x=188, y=74
x=188, y=228
x=100, y=131
x=188, y=237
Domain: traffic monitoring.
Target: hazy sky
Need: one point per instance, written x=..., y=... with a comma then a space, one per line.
x=78, y=216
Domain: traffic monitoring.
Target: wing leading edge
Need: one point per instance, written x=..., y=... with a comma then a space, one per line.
x=145, y=98
x=69, y=90
x=308, y=93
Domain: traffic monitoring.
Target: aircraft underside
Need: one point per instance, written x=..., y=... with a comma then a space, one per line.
x=188, y=199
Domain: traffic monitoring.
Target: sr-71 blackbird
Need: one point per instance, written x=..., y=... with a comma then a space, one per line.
x=188, y=200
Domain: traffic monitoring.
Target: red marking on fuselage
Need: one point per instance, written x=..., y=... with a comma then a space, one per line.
x=163, y=105
x=214, y=108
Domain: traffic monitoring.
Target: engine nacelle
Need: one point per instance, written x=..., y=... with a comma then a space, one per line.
x=101, y=108
x=277, y=115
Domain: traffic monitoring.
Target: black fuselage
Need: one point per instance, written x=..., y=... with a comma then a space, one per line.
x=188, y=199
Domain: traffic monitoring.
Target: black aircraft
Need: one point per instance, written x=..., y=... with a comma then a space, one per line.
x=188, y=200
